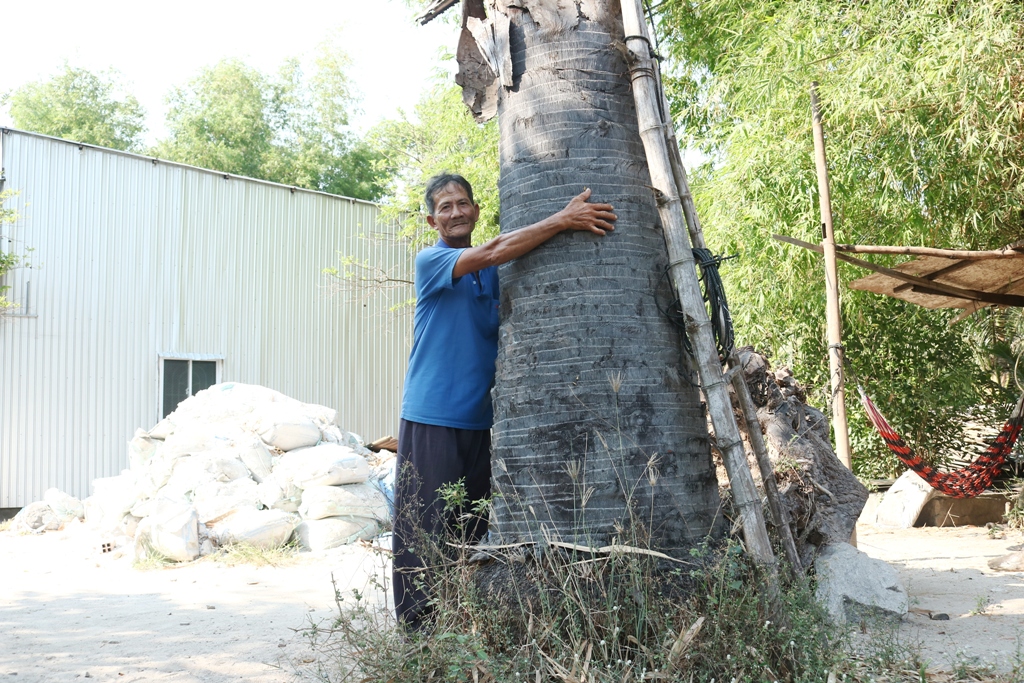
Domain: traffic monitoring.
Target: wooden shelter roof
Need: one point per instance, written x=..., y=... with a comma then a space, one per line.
x=940, y=278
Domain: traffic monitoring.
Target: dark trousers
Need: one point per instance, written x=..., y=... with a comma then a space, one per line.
x=428, y=458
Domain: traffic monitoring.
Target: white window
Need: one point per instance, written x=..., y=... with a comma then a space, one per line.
x=183, y=377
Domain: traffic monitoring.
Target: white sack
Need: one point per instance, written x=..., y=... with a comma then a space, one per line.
x=154, y=475
x=333, y=434
x=36, y=518
x=163, y=429
x=193, y=471
x=140, y=449
x=200, y=436
x=224, y=465
x=63, y=505
x=129, y=525
x=261, y=528
x=283, y=409
x=356, y=443
x=287, y=436
x=323, y=465
x=171, y=531
x=215, y=500
x=277, y=494
x=352, y=500
x=189, y=473
x=324, y=534
x=112, y=498
x=256, y=457
x=383, y=478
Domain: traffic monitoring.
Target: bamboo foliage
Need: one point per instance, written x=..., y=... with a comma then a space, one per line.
x=922, y=101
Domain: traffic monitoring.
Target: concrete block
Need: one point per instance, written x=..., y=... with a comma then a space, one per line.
x=942, y=510
x=901, y=504
x=853, y=586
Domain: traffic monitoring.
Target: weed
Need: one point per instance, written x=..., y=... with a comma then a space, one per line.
x=151, y=561
x=964, y=667
x=981, y=605
x=245, y=553
x=5, y=525
x=886, y=650
x=1015, y=515
x=568, y=612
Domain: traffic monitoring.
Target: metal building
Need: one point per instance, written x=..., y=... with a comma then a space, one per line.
x=148, y=280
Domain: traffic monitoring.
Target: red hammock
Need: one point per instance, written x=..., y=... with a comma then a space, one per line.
x=966, y=482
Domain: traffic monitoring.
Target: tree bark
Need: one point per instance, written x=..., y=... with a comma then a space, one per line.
x=599, y=431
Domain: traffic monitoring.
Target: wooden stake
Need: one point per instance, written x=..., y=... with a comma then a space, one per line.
x=771, y=487
x=832, y=313
x=684, y=276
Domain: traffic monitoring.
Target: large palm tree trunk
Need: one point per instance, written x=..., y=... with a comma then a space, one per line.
x=598, y=433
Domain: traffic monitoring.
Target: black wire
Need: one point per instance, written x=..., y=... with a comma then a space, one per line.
x=714, y=296
x=718, y=305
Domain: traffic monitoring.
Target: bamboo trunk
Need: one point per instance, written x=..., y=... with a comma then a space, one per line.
x=684, y=277
x=832, y=313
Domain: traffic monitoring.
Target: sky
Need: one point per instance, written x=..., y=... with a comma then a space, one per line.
x=154, y=49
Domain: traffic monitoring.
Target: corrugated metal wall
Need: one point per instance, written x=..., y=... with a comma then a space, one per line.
x=134, y=259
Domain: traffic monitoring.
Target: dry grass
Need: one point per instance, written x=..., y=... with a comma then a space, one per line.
x=568, y=613
x=246, y=554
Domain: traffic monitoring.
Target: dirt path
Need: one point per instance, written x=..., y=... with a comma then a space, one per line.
x=70, y=613
x=946, y=571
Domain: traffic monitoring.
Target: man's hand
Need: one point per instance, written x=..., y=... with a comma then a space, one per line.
x=579, y=214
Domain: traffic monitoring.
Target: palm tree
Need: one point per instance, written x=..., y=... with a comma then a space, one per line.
x=599, y=433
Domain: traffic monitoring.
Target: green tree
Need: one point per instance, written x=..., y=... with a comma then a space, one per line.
x=220, y=120
x=79, y=105
x=289, y=127
x=924, y=124
x=441, y=137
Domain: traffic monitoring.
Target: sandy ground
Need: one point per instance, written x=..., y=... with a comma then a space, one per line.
x=946, y=571
x=69, y=612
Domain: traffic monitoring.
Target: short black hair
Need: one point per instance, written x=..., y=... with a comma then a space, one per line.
x=441, y=181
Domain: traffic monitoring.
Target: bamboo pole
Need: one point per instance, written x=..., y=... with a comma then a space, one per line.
x=771, y=487
x=684, y=276
x=1012, y=251
x=780, y=517
x=832, y=314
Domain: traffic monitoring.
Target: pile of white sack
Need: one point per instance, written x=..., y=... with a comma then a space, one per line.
x=239, y=463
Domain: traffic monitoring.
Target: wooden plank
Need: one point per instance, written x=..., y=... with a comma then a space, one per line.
x=946, y=290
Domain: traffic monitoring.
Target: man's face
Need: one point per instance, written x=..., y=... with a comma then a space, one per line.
x=454, y=215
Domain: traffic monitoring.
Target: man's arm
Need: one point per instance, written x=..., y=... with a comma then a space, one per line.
x=579, y=214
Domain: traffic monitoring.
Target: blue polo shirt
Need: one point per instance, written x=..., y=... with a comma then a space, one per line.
x=454, y=345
